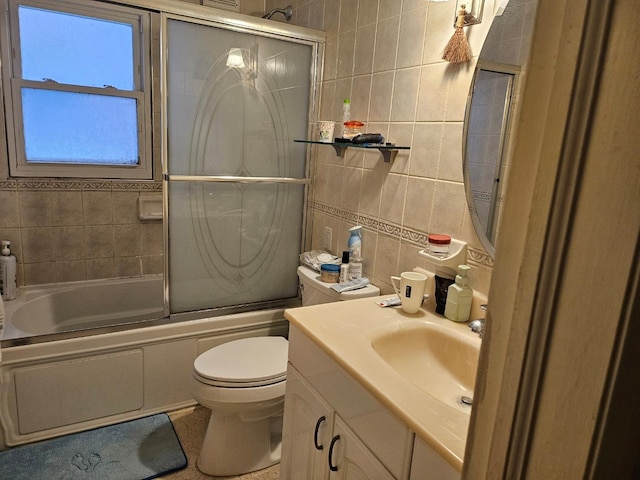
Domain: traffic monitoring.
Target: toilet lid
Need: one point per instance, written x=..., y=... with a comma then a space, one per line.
x=258, y=361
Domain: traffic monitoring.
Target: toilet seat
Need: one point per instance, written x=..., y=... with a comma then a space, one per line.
x=248, y=362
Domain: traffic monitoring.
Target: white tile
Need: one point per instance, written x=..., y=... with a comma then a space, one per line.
x=405, y=93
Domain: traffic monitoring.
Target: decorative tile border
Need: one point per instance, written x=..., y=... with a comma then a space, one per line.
x=80, y=184
x=475, y=256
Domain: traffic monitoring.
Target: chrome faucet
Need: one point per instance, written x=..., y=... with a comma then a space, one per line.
x=477, y=326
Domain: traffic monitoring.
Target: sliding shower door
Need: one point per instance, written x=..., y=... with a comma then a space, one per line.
x=235, y=179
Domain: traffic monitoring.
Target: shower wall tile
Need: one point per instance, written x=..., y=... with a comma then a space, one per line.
x=98, y=241
x=405, y=93
x=96, y=207
x=388, y=8
x=432, y=93
x=68, y=242
x=35, y=208
x=386, y=44
x=393, y=195
x=425, y=151
x=381, y=94
x=368, y=12
x=331, y=19
x=10, y=215
x=365, y=39
x=39, y=273
x=420, y=192
x=386, y=260
x=36, y=244
x=124, y=207
x=66, y=207
x=346, y=50
x=100, y=268
x=411, y=39
x=151, y=238
x=348, y=15
x=152, y=265
x=360, y=98
x=128, y=267
x=440, y=20
x=316, y=14
x=410, y=5
x=70, y=271
x=56, y=226
x=126, y=240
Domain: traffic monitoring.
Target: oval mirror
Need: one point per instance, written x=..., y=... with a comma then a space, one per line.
x=491, y=107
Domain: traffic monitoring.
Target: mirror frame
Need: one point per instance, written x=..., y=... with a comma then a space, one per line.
x=503, y=150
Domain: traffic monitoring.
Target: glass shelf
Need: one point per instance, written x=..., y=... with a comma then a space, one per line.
x=388, y=150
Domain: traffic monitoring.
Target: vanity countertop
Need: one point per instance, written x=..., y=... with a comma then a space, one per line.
x=344, y=330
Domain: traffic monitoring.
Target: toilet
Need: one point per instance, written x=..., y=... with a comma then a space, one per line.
x=243, y=382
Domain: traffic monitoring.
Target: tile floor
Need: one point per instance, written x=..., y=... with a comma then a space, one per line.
x=190, y=424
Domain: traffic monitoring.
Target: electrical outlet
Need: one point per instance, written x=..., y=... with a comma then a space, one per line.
x=328, y=234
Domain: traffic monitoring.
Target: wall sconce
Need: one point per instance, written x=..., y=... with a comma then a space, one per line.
x=234, y=58
x=473, y=11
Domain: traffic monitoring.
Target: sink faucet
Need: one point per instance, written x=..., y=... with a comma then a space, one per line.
x=477, y=326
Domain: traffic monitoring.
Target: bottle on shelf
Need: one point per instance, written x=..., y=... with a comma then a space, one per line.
x=346, y=114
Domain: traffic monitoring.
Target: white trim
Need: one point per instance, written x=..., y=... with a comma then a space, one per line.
x=12, y=82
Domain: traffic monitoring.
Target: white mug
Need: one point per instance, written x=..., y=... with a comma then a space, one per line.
x=411, y=291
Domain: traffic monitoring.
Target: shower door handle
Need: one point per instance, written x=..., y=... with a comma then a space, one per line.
x=235, y=179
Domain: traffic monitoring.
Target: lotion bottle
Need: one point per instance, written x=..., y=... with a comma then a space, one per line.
x=459, y=296
x=7, y=272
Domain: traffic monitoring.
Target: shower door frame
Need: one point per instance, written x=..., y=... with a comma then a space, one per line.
x=202, y=16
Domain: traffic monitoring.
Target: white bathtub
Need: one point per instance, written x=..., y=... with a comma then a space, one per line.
x=73, y=306
x=56, y=377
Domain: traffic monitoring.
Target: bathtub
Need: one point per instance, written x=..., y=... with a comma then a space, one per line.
x=84, y=355
x=75, y=306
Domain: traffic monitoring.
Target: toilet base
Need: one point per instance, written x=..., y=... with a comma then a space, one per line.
x=233, y=446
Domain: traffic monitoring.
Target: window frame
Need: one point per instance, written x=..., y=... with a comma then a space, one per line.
x=13, y=83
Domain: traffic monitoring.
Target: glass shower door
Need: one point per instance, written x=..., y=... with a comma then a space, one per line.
x=235, y=179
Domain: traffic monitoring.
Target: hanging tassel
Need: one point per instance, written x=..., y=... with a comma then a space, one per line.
x=458, y=50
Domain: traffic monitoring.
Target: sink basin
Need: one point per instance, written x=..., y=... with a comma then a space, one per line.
x=436, y=359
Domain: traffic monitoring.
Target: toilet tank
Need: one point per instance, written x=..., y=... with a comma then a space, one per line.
x=315, y=291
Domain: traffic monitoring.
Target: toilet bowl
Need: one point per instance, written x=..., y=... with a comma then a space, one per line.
x=242, y=382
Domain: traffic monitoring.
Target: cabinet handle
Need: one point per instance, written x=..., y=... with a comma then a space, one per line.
x=334, y=440
x=315, y=433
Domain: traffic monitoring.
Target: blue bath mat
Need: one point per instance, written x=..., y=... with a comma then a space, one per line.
x=135, y=450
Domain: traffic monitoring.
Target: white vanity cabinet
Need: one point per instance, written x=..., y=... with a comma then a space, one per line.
x=428, y=465
x=318, y=445
x=333, y=428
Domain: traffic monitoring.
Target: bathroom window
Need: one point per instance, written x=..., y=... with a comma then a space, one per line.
x=78, y=90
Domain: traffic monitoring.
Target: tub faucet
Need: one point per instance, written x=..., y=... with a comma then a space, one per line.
x=477, y=326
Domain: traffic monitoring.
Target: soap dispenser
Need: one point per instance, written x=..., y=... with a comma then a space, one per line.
x=459, y=297
x=7, y=272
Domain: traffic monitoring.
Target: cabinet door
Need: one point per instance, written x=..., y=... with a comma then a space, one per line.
x=428, y=465
x=306, y=433
x=350, y=459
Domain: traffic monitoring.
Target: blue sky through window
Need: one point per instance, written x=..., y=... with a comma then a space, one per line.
x=77, y=127
x=75, y=50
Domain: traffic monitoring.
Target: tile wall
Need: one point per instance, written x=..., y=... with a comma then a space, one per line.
x=63, y=231
x=385, y=56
